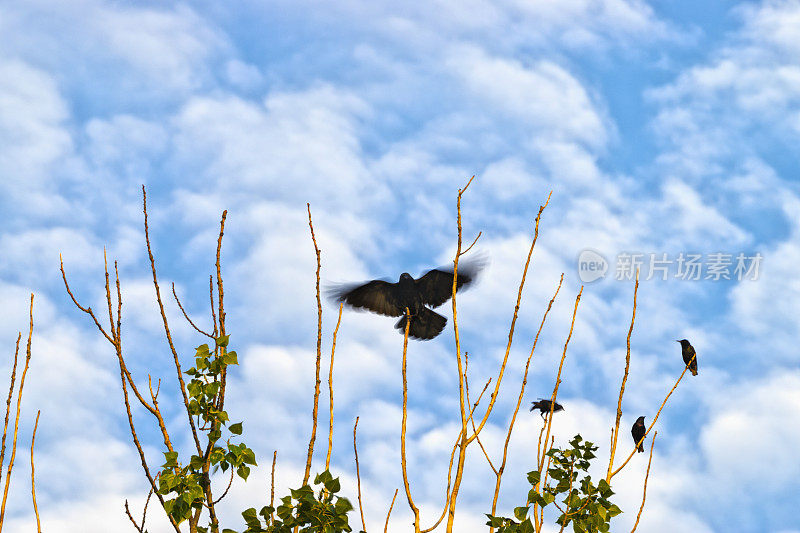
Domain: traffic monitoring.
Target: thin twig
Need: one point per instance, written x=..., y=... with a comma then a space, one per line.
x=646, y=475
x=403, y=427
x=358, y=474
x=542, y=483
x=330, y=391
x=499, y=472
x=473, y=243
x=560, y=367
x=319, y=355
x=451, y=502
x=33, y=480
x=213, y=311
x=87, y=310
x=615, y=432
x=450, y=466
x=178, y=301
x=466, y=388
x=139, y=528
x=16, y=419
x=272, y=483
x=8, y=404
x=230, y=482
x=493, y=397
x=614, y=473
x=130, y=517
x=386, y=525
x=549, y=421
x=177, y=362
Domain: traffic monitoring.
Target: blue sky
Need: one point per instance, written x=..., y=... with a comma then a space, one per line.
x=661, y=128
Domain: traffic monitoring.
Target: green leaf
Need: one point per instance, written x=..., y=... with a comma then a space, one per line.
x=535, y=497
x=604, y=488
x=236, y=428
x=494, y=521
x=520, y=512
x=230, y=358
x=223, y=340
x=533, y=477
x=195, y=388
x=172, y=459
x=601, y=511
x=249, y=457
x=614, y=510
x=333, y=485
x=343, y=506
x=211, y=389
x=243, y=471
x=251, y=517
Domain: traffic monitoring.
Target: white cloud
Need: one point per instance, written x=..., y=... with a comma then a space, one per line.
x=544, y=96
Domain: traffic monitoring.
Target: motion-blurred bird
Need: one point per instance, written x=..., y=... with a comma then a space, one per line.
x=544, y=407
x=638, y=430
x=391, y=299
x=689, y=355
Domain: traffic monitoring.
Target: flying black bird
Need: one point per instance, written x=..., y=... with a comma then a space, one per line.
x=391, y=299
x=689, y=356
x=638, y=430
x=544, y=407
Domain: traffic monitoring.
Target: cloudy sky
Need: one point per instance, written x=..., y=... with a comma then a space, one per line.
x=667, y=129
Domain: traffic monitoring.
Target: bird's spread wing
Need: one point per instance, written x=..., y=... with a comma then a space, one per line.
x=376, y=295
x=436, y=287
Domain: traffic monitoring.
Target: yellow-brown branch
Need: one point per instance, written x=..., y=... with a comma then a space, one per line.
x=615, y=431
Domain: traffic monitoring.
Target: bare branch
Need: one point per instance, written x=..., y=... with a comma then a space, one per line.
x=189, y=320
x=473, y=244
x=272, y=483
x=87, y=310
x=358, y=473
x=319, y=355
x=646, y=475
x=450, y=466
x=493, y=398
x=16, y=419
x=636, y=445
x=414, y=508
x=178, y=369
x=33, y=480
x=615, y=431
x=330, y=391
x=386, y=525
x=499, y=472
x=8, y=404
x=230, y=482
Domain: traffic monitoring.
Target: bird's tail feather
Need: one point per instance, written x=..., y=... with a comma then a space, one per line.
x=425, y=325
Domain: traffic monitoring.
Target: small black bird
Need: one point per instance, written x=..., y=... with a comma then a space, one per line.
x=391, y=299
x=689, y=355
x=638, y=430
x=544, y=407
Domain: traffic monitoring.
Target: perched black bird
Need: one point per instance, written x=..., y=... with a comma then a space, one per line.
x=689, y=355
x=638, y=430
x=392, y=299
x=544, y=407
